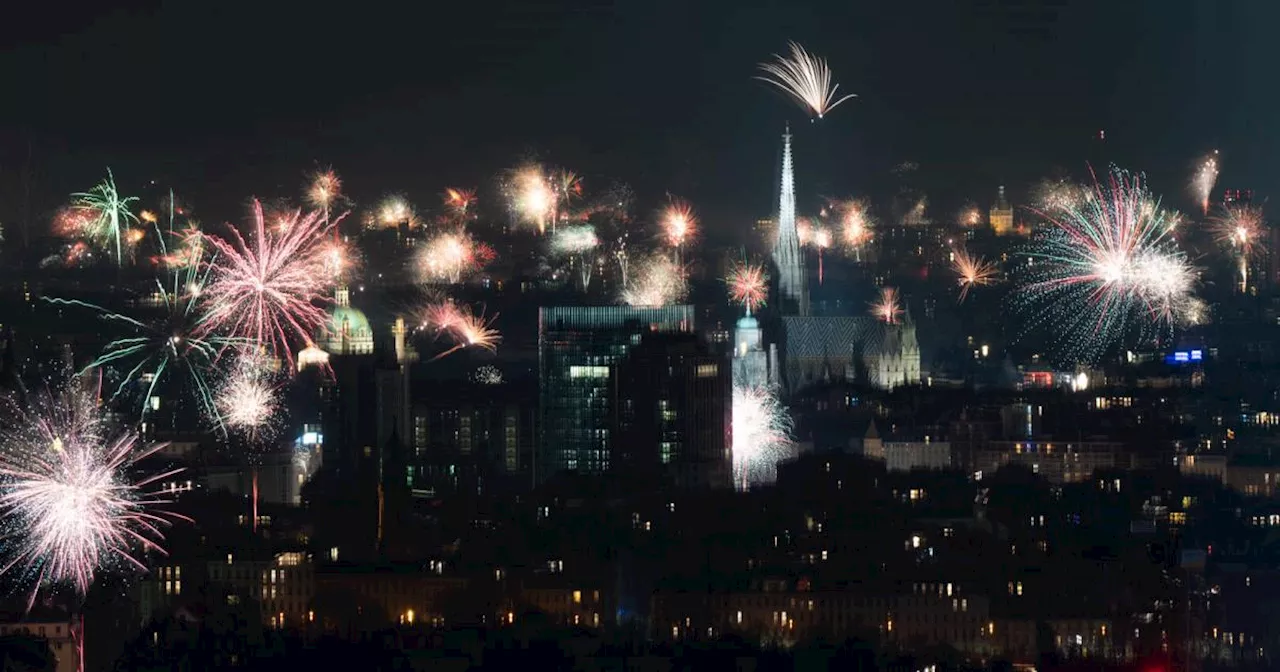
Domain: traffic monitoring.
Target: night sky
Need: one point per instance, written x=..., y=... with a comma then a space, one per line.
x=228, y=99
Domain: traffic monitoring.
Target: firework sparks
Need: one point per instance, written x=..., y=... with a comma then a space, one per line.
x=1203, y=179
x=1055, y=196
x=761, y=429
x=464, y=327
x=658, y=282
x=969, y=216
x=394, y=211
x=1238, y=228
x=166, y=338
x=108, y=214
x=449, y=257
x=247, y=400
x=531, y=197
x=678, y=223
x=459, y=202
x=267, y=289
x=67, y=499
x=574, y=240
x=488, y=375
x=325, y=189
x=806, y=78
x=1106, y=267
x=971, y=271
x=887, y=307
x=748, y=285
x=856, y=224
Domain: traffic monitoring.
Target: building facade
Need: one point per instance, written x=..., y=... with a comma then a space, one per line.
x=578, y=348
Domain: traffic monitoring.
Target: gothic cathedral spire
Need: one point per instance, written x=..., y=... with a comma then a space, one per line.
x=792, y=289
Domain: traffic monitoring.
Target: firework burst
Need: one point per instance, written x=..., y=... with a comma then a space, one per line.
x=806, y=78
x=658, y=281
x=108, y=215
x=971, y=271
x=448, y=257
x=267, y=289
x=532, y=197
x=856, y=223
x=887, y=307
x=1106, y=268
x=1055, y=196
x=1203, y=179
x=166, y=336
x=748, y=285
x=459, y=203
x=69, y=504
x=392, y=212
x=1238, y=228
x=247, y=399
x=678, y=223
x=324, y=190
x=761, y=434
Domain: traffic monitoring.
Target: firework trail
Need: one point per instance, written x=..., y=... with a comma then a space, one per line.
x=450, y=256
x=748, y=285
x=168, y=337
x=267, y=289
x=658, y=282
x=1203, y=179
x=761, y=434
x=1108, y=266
x=820, y=240
x=806, y=78
x=69, y=504
x=971, y=271
x=621, y=256
x=577, y=242
x=108, y=214
x=325, y=189
x=887, y=307
x=462, y=326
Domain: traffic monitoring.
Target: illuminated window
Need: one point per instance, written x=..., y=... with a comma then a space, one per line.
x=707, y=370
x=577, y=597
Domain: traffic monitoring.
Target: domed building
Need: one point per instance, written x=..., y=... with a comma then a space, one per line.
x=347, y=331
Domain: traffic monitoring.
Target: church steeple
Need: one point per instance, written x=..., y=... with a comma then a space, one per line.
x=786, y=248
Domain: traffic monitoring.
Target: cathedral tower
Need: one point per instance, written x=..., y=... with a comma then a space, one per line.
x=793, y=291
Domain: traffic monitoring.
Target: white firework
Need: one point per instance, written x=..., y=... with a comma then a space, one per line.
x=761, y=434
x=806, y=78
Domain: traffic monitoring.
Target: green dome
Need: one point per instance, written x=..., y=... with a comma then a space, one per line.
x=352, y=318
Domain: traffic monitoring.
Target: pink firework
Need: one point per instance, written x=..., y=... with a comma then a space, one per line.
x=887, y=308
x=465, y=328
x=1238, y=228
x=678, y=223
x=67, y=498
x=748, y=285
x=268, y=289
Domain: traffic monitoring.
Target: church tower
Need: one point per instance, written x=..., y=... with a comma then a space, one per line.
x=1001, y=215
x=793, y=291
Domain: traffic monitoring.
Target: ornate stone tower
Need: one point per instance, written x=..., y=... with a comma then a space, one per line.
x=793, y=292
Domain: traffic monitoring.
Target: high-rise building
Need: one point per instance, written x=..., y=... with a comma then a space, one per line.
x=578, y=348
x=671, y=411
x=1001, y=215
x=793, y=291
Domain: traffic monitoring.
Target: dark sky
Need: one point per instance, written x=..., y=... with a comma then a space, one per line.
x=228, y=99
